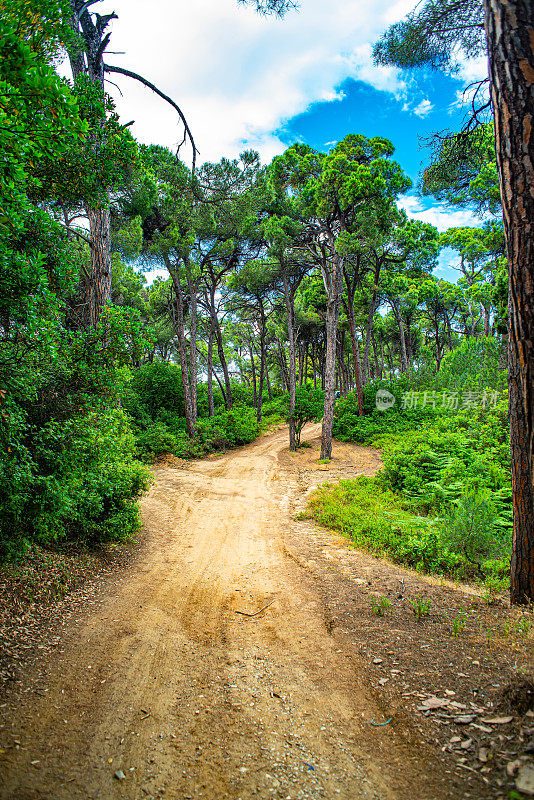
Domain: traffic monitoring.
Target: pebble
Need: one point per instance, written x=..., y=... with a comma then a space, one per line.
x=525, y=779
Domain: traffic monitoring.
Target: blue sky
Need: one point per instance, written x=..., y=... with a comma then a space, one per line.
x=246, y=81
x=371, y=112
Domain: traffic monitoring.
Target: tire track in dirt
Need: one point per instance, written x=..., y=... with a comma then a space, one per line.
x=166, y=682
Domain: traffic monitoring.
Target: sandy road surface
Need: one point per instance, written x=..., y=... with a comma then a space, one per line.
x=166, y=682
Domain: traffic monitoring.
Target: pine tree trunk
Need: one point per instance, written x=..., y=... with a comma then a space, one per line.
x=510, y=34
x=355, y=355
x=370, y=318
x=99, y=287
x=402, y=340
x=335, y=287
x=290, y=312
x=262, y=362
x=193, y=355
x=211, y=404
x=268, y=382
x=179, y=326
x=97, y=290
x=253, y=370
x=224, y=364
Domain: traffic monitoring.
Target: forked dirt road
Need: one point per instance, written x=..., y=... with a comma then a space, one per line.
x=168, y=683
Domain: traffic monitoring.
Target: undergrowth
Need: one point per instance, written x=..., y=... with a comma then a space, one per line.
x=442, y=502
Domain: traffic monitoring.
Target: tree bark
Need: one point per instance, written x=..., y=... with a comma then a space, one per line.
x=263, y=323
x=355, y=346
x=268, y=382
x=222, y=358
x=97, y=290
x=370, y=318
x=402, y=339
x=192, y=285
x=510, y=35
x=334, y=287
x=290, y=312
x=211, y=403
x=99, y=287
x=179, y=326
x=253, y=370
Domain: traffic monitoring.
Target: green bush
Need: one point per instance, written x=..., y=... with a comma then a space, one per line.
x=377, y=520
x=70, y=480
x=152, y=391
x=309, y=407
x=469, y=528
x=474, y=364
x=155, y=440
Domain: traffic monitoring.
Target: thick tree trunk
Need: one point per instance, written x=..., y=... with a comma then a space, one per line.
x=179, y=326
x=334, y=283
x=192, y=285
x=486, y=322
x=253, y=370
x=99, y=287
x=290, y=313
x=211, y=403
x=510, y=34
x=97, y=290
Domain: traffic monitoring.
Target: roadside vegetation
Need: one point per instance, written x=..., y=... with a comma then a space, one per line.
x=443, y=501
x=290, y=291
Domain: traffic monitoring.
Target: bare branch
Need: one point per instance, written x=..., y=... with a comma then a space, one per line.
x=149, y=85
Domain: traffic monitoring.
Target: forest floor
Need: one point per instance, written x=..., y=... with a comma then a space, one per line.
x=237, y=655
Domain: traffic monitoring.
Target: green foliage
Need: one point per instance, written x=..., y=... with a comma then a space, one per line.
x=67, y=466
x=421, y=607
x=152, y=395
x=459, y=623
x=432, y=34
x=380, y=606
x=377, y=520
x=463, y=170
x=468, y=527
x=309, y=406
x=474, y=364
x=442, y=502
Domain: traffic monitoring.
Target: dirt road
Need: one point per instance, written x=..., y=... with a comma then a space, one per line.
x=175, y=683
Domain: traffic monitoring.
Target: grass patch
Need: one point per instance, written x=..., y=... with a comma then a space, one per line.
x=378, y=520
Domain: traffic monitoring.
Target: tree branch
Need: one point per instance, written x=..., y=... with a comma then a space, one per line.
x=149, y=85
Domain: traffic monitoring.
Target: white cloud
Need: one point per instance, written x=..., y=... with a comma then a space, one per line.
x=238, y=76
x=439, y=214
x=423, y=108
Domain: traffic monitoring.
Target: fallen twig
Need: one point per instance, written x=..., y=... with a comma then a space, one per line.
x=245, y=614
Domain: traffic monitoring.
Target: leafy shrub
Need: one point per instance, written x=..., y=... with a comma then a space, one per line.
x=153, y=390
x=155, y=440
x=474, y=364
x=377, y=519
x=79, y=482
x=309, y=407
x=469, y=528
